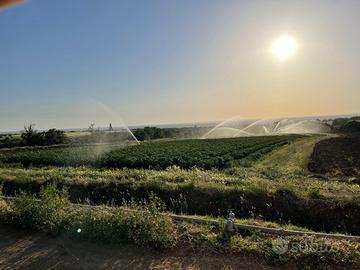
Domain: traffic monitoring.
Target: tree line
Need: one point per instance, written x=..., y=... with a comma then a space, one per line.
x=31, y=137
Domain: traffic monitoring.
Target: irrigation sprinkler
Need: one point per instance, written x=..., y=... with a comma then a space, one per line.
x=230, y=221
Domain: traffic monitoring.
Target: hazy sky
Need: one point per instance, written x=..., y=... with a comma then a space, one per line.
x=71, y=62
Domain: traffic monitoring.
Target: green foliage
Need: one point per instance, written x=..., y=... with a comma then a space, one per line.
x=53, y=136
x=5, y=212
x=99, y=136
x=54, y=156
x=144, y=224
x=346, y=125
x=139, y=223
x=207, y=154
x=350, y=126
x=46, y=212
x=31, y=137
x=200, y=192
x=8, y=141
x=149, y=133
x=152, y=133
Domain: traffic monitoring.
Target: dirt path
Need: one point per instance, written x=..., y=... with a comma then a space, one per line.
x=20, y=250
x=293, y=157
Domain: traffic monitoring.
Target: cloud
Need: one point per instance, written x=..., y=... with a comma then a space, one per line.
x=9, y=3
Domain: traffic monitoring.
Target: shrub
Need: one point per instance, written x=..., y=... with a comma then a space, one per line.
x=142, y=224
x=5, y=211
x=146, y=225
x=45, y=213
x=31, y=137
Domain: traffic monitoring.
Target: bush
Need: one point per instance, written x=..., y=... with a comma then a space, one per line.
x=148, y=133
x=142, y=224
x=31, y=137
x=351, y=126
x=146, y=225
x=5, y=211
x=45, y=213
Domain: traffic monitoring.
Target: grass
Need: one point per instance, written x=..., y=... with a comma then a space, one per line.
x=72, y=134
x=245, y=179
x=316, y=204
x=292, y=158
x=253, y=221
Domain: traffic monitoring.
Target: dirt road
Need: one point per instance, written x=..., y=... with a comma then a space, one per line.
x=21, y=250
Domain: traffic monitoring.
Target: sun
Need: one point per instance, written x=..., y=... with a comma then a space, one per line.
x=283, y=47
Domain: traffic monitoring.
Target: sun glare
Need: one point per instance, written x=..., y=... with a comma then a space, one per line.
x=283, y=47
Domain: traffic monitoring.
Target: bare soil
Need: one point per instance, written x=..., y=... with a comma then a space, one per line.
x=337, y=156
x=22, y=250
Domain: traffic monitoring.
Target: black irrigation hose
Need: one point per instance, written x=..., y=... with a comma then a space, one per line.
x=277, y=231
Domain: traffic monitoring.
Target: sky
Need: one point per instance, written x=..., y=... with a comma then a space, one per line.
x=67, y=64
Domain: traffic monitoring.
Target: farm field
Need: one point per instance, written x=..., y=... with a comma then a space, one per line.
x=338, y=157
x=264, y=179
x=206, y=154
x=189, y=135
x=69, y=155
x=259, y=176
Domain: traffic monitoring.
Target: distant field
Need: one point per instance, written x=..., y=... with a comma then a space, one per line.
x=206, y=154
x=57, y=156
x=72, y=134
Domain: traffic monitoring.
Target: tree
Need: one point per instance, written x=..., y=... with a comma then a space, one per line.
x=148, y=133
x=54, y=136
x=351, y=126
x=139, y=134
x=91, y=127
x=30, y=136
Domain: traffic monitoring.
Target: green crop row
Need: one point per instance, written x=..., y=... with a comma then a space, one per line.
x=206, y=154
x=73, y=156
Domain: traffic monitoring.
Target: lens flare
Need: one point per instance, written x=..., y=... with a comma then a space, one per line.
x=9, y=3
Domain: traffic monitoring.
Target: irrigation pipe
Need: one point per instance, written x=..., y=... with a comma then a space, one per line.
x=269, y=230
